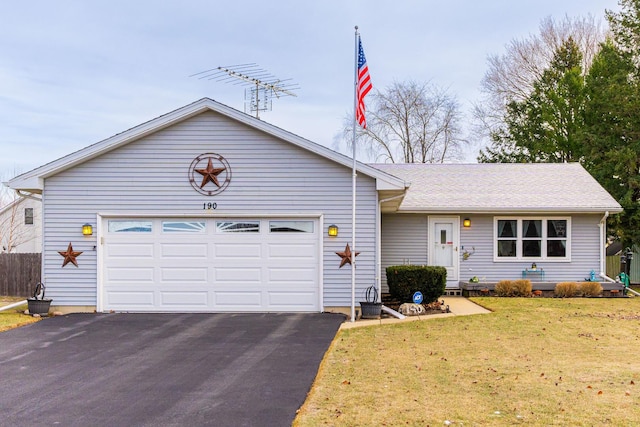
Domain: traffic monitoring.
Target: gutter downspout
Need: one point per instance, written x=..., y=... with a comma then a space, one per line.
x=15, y=304
x=379, y=253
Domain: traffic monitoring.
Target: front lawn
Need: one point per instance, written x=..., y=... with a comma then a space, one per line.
x=13, y=317
x=533, y=361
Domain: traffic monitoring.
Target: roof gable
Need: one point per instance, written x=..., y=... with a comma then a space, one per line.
x=33, y=181
x=501, y=187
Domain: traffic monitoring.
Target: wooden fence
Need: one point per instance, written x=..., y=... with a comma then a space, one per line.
x=19, y=274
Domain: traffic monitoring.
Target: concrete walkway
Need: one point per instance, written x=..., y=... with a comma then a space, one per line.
x=458, y=306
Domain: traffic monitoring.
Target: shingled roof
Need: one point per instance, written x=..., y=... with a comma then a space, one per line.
x=501, y=187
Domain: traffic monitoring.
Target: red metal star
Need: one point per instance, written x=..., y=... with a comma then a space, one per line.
x=210, y=174
x=70, y=256
x=346, y=256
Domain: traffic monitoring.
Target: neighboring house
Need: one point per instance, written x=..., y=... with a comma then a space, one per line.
x=209, y=209
x=21, y=226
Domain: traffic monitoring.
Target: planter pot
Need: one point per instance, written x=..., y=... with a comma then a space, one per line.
x=39, y=306
x=370, y=310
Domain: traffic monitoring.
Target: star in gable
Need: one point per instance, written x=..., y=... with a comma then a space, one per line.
x=210, y=174
x=69, y=256
x=346, y=256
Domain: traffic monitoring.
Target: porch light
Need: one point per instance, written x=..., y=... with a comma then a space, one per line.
x=87, y=230
x=466, y=223
x=333, y=230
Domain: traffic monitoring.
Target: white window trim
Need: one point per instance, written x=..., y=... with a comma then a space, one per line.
x=519, y=257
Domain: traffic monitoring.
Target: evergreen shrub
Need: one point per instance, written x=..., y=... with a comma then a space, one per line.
x=405, y=280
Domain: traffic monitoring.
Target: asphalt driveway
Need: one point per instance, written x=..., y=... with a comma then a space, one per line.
x=162, y=369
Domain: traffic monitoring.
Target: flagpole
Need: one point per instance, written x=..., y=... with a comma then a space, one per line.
x=353, y=183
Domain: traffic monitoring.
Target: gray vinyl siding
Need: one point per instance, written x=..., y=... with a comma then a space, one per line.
x=404, y=241
x=585, y=252
x=149, y=176
x=404, y=237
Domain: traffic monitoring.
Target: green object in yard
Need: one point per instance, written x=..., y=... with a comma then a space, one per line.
x=624, y=279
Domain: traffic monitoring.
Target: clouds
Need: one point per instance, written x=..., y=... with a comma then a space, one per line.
x=73, y=72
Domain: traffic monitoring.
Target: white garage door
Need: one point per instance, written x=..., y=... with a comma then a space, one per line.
x=210, y=265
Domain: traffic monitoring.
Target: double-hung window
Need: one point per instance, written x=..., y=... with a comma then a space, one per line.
x=28, y=216
x=532, y=239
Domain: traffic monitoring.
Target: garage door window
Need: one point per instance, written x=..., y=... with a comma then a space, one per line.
x=183, y=227
x=291, y=226
x=238, y=226
x=125, y=226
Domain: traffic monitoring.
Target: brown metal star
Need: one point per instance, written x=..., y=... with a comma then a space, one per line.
x=70, y=256
x=346, y=256
x=210, y=174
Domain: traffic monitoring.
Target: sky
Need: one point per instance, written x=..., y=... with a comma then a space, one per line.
x=73, y=73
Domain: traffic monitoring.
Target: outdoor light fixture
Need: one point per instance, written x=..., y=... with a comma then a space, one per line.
x=87, y=230
x=466, y=222
x=333, y=230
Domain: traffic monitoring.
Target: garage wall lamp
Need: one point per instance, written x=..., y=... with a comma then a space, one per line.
x=333, y=230
x=466, y=223
x=87, y=230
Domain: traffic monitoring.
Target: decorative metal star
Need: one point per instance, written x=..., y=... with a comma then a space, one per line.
x=69, y=256
x=210, y=174
x=346, y=256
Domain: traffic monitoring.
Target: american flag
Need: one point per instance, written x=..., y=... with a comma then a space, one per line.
x=363, y=85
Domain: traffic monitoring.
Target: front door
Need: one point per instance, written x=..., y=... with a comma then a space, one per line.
x=444, y=235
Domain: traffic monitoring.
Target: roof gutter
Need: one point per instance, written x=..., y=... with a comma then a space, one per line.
x=507, y=211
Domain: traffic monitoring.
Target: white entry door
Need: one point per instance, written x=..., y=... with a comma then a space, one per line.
x=444, y=235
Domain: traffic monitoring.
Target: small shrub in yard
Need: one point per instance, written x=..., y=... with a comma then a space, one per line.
x=566, y=289
x=503, y=288
x=513, y=288
x=590, y=289
x=522, y=288
x=404, y=280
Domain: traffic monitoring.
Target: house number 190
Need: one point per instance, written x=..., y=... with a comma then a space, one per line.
x=210, y=206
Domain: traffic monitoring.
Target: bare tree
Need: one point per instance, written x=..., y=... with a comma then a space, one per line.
x=410, y=123
x=12, y=230
x=511, y=75
x=9, y=230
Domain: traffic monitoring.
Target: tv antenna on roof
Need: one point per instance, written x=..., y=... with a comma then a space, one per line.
x=261, y=86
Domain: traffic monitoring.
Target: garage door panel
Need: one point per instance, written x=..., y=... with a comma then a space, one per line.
x=293, y=275
x=130, y=250
x=184, y=250
x=301, y=300
x=240, y=274
x=130, y=299
x=238, y=250
x=177, y=275
x=123, y=274
x=292, y=251
x=184, y=299
x=211, y=270
x=237, y=300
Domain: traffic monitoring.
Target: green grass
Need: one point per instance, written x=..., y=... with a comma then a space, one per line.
x=533, y=361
